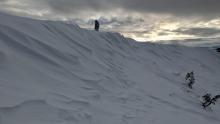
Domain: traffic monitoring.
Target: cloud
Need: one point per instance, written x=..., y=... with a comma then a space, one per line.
x=185, y=7
x=25, y=8
x=176, y=7
x=142, y=19
x=200, y=32
x=73, y=6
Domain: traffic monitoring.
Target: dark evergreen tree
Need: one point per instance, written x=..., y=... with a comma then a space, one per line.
x=208, y=100
x=190, y=79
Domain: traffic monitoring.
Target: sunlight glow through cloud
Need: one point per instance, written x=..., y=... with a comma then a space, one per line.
x=134, y=19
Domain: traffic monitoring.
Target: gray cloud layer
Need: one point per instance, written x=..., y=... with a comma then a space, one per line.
x=155, y=6
x=201, y=32
x=121, y=15
x=185, y=7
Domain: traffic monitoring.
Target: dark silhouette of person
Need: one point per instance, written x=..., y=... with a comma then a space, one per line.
x=218, y=50
x=96, y=25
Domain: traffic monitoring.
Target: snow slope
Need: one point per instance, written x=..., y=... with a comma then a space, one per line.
x=57, y=73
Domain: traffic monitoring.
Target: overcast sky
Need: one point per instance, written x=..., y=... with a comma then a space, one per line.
x=146, y=20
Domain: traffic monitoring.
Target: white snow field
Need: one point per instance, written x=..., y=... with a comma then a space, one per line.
x=57, y=73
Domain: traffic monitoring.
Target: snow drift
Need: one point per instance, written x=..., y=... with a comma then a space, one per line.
x=57, y=73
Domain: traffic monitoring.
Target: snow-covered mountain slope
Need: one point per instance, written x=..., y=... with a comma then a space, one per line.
x=57, y=73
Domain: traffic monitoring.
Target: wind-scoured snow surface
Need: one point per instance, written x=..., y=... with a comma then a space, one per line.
x=57, y=73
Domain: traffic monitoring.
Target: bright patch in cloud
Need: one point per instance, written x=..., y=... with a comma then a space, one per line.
x=143, y=20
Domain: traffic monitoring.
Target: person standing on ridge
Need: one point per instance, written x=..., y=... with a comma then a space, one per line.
x=96, y=25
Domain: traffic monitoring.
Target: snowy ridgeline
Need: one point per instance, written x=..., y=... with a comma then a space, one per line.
x=57, y=73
